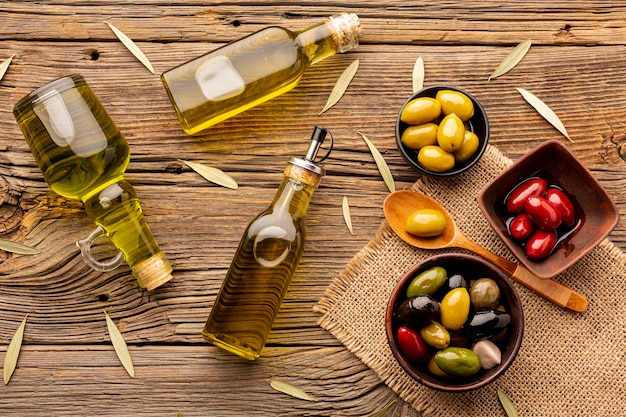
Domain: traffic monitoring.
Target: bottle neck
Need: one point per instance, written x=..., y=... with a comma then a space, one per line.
x=292, y=198
x=338, y=33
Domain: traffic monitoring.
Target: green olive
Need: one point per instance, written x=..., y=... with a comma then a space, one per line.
x=451, y=133
x=468, y=147
x=421, y=110
x=426, y=223
x=458, y=361
x=435, y=335
x=435, y=159
x=427, y=282
x=484, y=294
x=416, y=137
x=455, y=308
x=455, y=102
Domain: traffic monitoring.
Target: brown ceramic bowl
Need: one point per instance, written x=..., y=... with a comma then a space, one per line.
x=471, y=267
x=596, y=213
x=478, y=123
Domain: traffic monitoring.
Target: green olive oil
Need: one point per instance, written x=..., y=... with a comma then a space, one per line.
x=252, y=70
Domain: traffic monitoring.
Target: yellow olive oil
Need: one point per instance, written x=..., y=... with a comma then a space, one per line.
x=83, y=155
x=252, y=70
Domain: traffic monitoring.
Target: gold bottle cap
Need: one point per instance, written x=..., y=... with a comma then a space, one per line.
x=153, y=272
x=346, y=30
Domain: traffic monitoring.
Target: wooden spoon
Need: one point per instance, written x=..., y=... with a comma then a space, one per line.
x=400, y=204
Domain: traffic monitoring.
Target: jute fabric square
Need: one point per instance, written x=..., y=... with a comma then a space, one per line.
x=570, y=364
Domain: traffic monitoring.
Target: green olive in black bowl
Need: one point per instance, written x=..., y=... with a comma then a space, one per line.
x=442, y=130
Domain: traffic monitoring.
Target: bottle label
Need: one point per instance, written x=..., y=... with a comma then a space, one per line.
x=218, y=79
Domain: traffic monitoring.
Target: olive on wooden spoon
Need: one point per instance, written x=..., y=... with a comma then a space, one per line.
x=400, y=205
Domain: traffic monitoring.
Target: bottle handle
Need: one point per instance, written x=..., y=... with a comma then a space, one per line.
x=85, y=249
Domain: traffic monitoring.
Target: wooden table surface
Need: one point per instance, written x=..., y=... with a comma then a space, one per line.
x=67, y=365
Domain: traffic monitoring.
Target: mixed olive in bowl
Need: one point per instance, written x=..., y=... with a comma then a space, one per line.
x=442, y=130
x=454, y=322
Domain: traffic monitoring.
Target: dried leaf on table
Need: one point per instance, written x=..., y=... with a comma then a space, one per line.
x=381, y=164
x=345, y=208
x=545, y=111
x=291, y=390
x=132, y=47
x=381, y=412
x=15, y=247
x=119, y=344
x=4, y=66
x=341, y=85
x=418, y=74
x=507, y=404
x=13, y=351
x=214, y=175
x=512, y=59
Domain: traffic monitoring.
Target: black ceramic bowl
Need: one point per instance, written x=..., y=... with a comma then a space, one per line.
x=478, y=123
x=471, y=267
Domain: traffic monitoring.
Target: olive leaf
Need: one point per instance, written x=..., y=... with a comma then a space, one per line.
x=418, y=74
x=512, y=59
x=212, y=174
x=132, y=47
x=13, y=351
x=545, y=111
x=345, y=208
x=341, y=85
x=381, y=411
x=179, y=415
x=381, y=164
x=507, y=404
x=4, y=66
x=121, y=349
x=291, y=390
x=15, y=247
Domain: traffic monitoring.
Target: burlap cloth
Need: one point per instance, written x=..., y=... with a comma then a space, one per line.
x=570, y=364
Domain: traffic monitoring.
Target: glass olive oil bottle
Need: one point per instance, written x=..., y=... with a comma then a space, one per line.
x=252, y=70
x=83, y=155
x=262, y=268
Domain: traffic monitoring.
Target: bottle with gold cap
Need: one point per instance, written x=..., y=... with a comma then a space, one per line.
x=268, y=254
x=252, y=70
x=83, y=155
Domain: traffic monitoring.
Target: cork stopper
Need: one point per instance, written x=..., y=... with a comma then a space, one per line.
x=346, y=30
x=153, y=272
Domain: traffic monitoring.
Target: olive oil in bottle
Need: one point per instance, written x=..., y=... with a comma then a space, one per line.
x=268, y=254
x=83, y=155
x=252, y=70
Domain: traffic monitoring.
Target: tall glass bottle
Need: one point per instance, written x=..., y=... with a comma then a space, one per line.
x=83, y=155
x=262, y=268
x=252, y=70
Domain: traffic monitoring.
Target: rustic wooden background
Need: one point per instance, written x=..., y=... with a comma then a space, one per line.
x=67, y=365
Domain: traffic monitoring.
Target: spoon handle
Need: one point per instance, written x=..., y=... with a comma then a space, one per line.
x=551, y=290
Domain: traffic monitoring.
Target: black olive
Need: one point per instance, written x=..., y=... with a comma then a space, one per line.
x=418, y=311
x=486, y=323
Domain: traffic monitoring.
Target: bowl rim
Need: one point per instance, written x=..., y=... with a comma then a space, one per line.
x=539, y=268
x=406, y=153
x=516, y=337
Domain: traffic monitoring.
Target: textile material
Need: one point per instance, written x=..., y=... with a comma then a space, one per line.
x=570, y=364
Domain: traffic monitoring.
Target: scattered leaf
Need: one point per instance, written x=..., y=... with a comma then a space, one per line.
x=214, y=175
x=342, y=85
x=132, y=47
x=381, y=412
x=545, y=111
x=381, y=164
x=13, y=351
x=507, y=404
x=179, y=415
x=512, y=59
x=4, y=66
x=120, y=346
x=418, y=74
x=291, y=390
x=345, y=207
x=15, y=247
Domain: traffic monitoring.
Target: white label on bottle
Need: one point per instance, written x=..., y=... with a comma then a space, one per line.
x=218, y=79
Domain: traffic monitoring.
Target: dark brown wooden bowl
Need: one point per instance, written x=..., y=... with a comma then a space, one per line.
x=471, y=267
x=594, y=207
